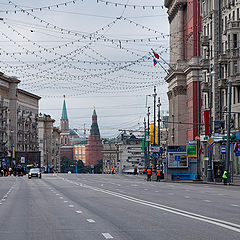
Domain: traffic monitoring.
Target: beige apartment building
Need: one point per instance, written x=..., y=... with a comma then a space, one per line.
x=18, y=121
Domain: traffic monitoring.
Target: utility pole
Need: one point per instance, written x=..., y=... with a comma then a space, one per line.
x=144, y=147
x=227, y=164
x=159, y=120
x=209, y=170
x=148, y=114
x=154, y=115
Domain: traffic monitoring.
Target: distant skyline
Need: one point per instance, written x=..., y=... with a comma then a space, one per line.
x=54, y=53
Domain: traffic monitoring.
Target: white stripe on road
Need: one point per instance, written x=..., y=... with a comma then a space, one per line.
x=78, y=211
x=71, y=205
x=107, y=235
x=91, y=220
x=235, y=205
x=207, y=201
x=57, y=194
x=186, y=196
x=214, y=221
x=65, y=201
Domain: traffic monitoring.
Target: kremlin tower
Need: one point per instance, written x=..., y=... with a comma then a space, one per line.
x=94, y=146
x=64, y=126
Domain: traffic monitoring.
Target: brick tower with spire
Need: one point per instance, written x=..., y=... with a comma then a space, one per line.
x=94, y=146
x=64, y=126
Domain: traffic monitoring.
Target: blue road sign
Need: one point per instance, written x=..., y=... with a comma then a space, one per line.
x=210, y=148
x=237, y=153
x=177, y=157
x=154, y=155
x=223, y=149
x=161, y=150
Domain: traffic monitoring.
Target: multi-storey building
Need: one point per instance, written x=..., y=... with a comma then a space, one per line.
x=18, y=121
x=220, y=64
x=183, y=78
x=110, y=157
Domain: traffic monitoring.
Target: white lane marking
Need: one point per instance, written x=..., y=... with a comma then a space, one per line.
x=51, y=190
x=107, y=235
x=0, y=203
x=61, y=197
x=145, y=189
x=57, y=194
x=78, y=211
x=65, y=201
x=186, y=196
x=91, y=220
x=101, y=184
x=235, y=205
x=207, y=200
x=156, y=191
x=214, y=221
x=71, y=205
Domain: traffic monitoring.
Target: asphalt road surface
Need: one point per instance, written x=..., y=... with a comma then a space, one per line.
x=92, y=207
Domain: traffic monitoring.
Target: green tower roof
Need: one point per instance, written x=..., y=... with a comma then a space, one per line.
x=64, y=111
x=94, y=112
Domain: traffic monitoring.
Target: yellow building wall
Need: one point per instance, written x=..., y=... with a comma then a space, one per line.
x=79, y=153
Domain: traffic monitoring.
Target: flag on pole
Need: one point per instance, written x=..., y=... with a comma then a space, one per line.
x=154, y=62
x=155, y=55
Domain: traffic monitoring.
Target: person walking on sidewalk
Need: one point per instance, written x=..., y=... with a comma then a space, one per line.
x=158, y=175
x=149, y=174
x=225, y=177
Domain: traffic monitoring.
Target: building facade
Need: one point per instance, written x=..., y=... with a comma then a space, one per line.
x=184, y=73
x=220, y=65
x=18, y=122
x=49, y=143
x=79, y=151
x=110, y=158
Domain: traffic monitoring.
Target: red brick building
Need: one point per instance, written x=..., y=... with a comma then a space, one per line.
x=94, y=147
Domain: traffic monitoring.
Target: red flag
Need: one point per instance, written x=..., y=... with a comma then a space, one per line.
x=201, y=149
x=155, y=55
x=206, y=121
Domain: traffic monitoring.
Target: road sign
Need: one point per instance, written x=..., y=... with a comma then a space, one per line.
x=192, y=150
x=161, y=150
x=155, y=149
x=210, y=141
x=210, y=148
x=237, y=153
x=223, y=149
x=154, y=155
x=177, y=158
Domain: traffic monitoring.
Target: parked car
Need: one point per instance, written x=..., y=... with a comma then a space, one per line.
x=34, y=172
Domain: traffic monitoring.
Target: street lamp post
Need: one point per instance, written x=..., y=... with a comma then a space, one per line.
x=154, y=115
x=209, y=170
x=148, y=114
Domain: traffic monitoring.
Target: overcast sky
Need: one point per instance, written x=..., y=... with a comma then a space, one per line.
x=96, y=54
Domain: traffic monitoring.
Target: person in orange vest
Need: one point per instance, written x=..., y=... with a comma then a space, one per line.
x=144, y=171
x=158, y=175
x=112, y=170
x=149, y=174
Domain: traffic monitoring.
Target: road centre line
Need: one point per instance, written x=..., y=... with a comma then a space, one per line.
x=78, y=211
x=91, y=220
x=235, y=205
x=71, y=205
x=218, y=222
x=107, y=235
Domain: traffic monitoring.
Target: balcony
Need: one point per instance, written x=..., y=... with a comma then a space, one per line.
x=233, y=25
x=222, y=83
x=223, y=57
x=205, y=41
x=233, y=53
x=205, y=63
x=205, y=86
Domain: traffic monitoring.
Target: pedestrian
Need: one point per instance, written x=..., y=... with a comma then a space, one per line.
x=149, y=174
x=225, y=177
x=112, y=170
x=158, y=175
x=144, y=171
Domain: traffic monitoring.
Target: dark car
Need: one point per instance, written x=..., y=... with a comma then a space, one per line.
x=34, y=172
